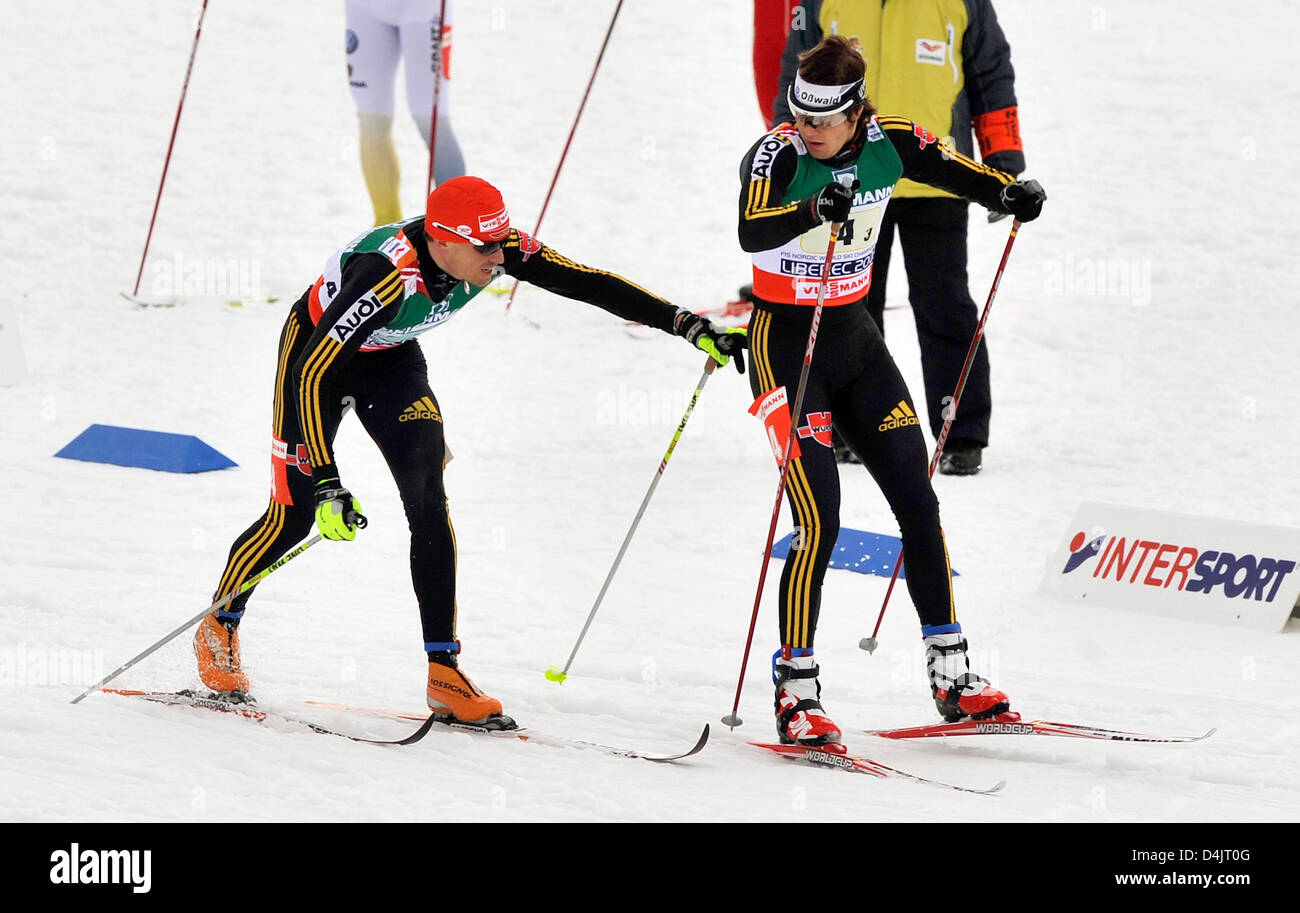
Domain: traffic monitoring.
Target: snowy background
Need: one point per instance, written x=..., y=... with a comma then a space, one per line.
x=1160, y=132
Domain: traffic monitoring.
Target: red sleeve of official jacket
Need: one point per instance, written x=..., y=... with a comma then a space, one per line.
x=998, y=131
x=991, y=89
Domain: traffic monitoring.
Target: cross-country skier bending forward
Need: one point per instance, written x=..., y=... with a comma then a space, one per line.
x=352, y=337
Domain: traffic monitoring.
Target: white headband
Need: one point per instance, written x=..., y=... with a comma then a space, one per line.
x=807, y=98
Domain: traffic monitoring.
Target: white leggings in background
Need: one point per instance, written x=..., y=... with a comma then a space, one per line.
x=379, y=32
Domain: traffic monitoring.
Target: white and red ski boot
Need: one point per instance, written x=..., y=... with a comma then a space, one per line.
x=800, y=717
x=958, y=693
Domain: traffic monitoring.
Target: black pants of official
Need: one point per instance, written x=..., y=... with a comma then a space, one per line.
x=389, y=390
x=932, y=233
x=853, y=384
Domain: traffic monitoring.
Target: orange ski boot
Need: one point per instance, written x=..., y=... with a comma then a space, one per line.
x=216, y=646
x=454, y=698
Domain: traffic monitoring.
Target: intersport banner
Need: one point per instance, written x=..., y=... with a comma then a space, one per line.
x=1191, y=567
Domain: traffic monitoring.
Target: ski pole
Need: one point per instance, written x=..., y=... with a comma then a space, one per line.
x=437, y=85
x=559, y=675
x=732, y=720
x=247, y=585
x=514, y=288
x=870, y=643
x=170, y=143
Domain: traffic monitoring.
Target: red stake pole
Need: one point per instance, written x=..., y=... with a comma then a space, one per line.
x=438, y=66
x=572, y=130
x=172, y=142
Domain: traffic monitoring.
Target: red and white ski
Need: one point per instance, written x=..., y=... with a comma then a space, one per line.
x=1011, y=724
x=837, y=756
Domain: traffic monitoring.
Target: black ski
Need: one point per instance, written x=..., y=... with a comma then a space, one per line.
x=248, y=709
x=525, y=734
x=501, y=727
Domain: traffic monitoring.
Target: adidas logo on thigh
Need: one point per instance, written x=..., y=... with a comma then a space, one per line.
x=899, y=417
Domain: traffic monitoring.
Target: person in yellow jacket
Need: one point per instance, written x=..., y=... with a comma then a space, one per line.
x=946, y=65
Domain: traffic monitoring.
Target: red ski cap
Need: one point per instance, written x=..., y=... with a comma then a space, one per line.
x=468, y=210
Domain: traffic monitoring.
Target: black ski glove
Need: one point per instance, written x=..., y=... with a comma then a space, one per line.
x=1024, y=199
x=722, y=343
x=833, y=202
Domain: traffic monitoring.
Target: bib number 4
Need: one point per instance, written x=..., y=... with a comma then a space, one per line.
x=856, y=234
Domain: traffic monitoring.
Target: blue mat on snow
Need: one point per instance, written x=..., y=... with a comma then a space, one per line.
x=144, y=449
x=858, y=550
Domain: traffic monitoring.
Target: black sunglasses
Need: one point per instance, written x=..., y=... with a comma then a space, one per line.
x=486, y=248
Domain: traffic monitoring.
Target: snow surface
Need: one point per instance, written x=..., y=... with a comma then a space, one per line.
x=1159, y=132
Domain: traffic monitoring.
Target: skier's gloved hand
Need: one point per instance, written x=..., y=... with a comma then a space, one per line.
x=338, y=514
x=720, y=342
x=1024, y=199
x=834, y=201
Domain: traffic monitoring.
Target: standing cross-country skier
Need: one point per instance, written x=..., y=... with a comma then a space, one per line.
x=352, y=336
x=945, y=64
x=790, y=195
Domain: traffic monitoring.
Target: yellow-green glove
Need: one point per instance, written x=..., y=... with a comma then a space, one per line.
x=338, y=514
x=721, y=343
